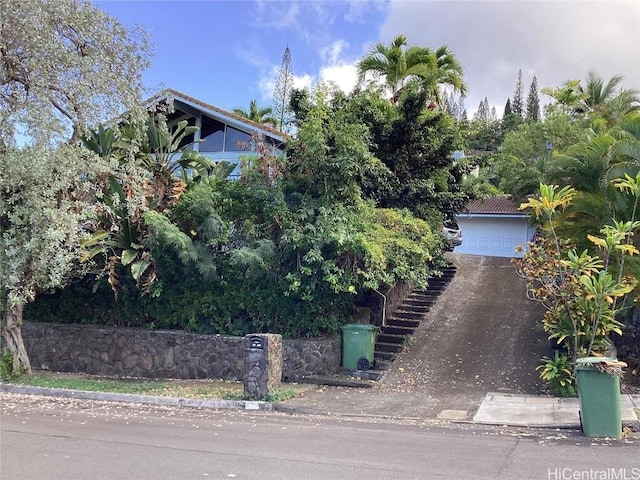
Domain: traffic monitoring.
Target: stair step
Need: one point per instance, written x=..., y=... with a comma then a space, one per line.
x=374, y=375
x=386, y=357
x=426, y=295
x=395, y=330
x=419, y=310
x=381, y=365
x=435, y=290
x=388, y=347
x=391, y=338
x=408, y=315
x=418, y=303
x=401, y=322
x=421, y=300
x=404, y=321
x=436, y=287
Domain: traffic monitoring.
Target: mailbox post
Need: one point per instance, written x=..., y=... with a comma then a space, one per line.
x=262, y=364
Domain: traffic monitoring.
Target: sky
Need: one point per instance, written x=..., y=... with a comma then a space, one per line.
x=228, y=52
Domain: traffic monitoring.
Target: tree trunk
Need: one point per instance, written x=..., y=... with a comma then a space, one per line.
x=12, y=335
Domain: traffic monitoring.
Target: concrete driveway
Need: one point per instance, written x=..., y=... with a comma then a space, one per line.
x=480, y=336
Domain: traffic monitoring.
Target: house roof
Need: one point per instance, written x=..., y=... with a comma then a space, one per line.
x=494, y=206
x=211, y=109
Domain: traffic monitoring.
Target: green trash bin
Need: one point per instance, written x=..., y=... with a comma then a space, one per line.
x=599, y=392
x=358, y=345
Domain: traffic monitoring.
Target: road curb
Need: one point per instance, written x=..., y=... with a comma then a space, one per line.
x=141, y=399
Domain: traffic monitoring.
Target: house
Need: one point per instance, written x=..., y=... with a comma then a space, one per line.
x=494, y=227
x=221, y=135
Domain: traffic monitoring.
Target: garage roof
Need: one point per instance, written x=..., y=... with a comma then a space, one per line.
x=493, y=206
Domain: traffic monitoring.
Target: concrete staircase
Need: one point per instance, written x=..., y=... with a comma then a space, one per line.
x=404, y=321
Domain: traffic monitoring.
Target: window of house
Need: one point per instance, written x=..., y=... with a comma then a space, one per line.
x=211, y=135
x=277, y=146
x=237, y=141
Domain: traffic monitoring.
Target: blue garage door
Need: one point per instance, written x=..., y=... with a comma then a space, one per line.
x=495, y=237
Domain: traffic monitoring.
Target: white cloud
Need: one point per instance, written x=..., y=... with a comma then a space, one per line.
x=331, y=53
x=279, y=15
x=303, y=81
x=359, y=9
x=342, y=72
x=345, y=76
x=554, y=40
x=334, y=68
x=267, y=82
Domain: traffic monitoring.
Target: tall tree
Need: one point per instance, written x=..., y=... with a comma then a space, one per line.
x=448, y=72
x=507, y=108
x=518, y=97
x=533, y=102
x=64, y=66
x=494, y=115
x=510, y=120
x=482, y=114
x=282, y=91
x=462, y=110
x=417, y=147
x=258, y=115
x=398, y=63
x=453, y=108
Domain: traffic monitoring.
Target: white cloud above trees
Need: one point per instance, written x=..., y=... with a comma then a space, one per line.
x=553, y=40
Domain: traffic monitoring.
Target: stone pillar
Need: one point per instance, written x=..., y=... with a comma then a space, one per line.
x=262, y=364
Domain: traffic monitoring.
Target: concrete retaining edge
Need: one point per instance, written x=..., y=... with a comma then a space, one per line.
x=141, y=399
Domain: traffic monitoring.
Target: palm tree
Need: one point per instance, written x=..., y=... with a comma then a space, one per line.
x=590, y=167
x=258, y=115
x=598, y=98
x=399, y=63
x=448, y=72
x=596, y=93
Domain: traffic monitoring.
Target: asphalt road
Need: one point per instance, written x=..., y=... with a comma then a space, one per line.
x=53, y=438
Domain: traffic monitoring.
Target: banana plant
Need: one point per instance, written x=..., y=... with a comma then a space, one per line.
x=120, y=230
x=119, y=237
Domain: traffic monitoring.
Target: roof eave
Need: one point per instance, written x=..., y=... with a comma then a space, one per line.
x=492, y=215
x=210, y=110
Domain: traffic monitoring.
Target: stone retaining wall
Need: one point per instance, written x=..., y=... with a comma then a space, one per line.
x=164, y=354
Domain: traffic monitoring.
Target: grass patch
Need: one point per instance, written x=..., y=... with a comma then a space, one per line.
x=91, y=384
x=202, y=389
x=282, y=394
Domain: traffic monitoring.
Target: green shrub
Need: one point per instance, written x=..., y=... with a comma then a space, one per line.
x=557, y=372
x=6, y=366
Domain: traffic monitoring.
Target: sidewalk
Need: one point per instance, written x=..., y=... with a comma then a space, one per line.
x=538, y=411
x=520, y=410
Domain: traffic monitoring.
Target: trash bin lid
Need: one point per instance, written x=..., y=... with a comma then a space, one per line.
x=592, y=360
x=358, y=326
x=589, y=363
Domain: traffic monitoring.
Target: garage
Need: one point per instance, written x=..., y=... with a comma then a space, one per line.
x=493, y=227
